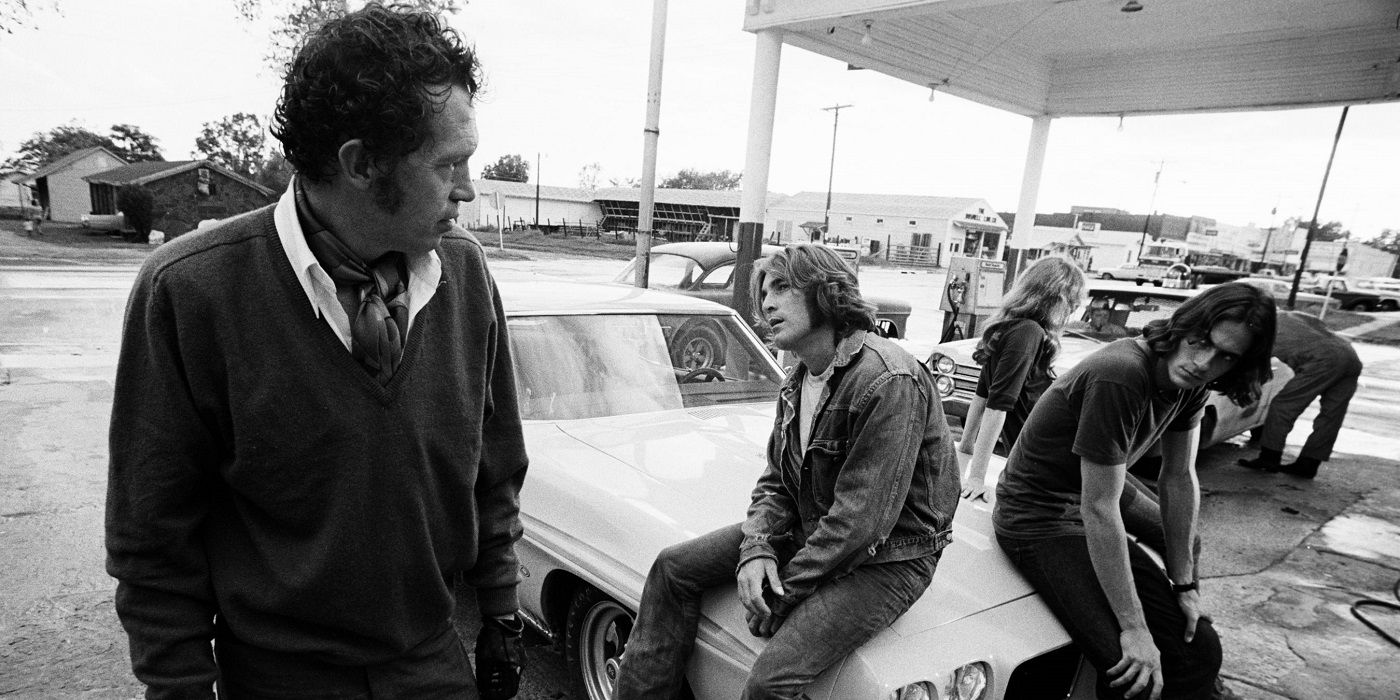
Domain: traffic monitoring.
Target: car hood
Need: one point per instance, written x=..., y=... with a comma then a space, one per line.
x=612, y=492
x=1073, y=348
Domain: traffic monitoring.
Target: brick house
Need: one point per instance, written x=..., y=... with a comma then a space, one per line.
x=185, y=192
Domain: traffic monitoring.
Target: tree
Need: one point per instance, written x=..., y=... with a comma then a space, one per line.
x=691, y=179
x=275, y=174
x=237, y=142
x=511, y=168
x=126, y=141
x=295, y=19
x=588, y=177
x=138, y=204
x=1331, y=231
x=134, y=145
x=17, y=13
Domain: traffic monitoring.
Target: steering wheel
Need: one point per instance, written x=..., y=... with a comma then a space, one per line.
x=703, y=374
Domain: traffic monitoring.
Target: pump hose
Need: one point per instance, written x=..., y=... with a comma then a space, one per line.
x=1373, y=603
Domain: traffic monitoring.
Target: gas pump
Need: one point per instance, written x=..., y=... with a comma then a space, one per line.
x=971, y=294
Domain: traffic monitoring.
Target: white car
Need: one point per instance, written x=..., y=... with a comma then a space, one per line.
x=955, y=372
x=631, y=452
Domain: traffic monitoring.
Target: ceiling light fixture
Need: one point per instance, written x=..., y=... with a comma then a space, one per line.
x=1132, y=6
x=866, y=39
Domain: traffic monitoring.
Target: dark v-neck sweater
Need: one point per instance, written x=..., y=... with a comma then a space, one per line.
x=261, y=474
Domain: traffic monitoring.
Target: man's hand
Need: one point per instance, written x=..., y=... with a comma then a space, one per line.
x=1141, y=664
x=974, y=491
x=753, y=576
x=1190, y=602
x=500, y=657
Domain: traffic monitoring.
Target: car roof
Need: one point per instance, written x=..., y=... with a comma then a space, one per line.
x=707, y=253
x=531, y=297
x=1101, y=289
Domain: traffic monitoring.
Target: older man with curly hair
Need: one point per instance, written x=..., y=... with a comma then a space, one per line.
x=848, y=521
x=315, y=432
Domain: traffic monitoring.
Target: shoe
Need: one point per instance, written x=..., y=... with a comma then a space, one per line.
x=1267, y=461
x=1304, y=468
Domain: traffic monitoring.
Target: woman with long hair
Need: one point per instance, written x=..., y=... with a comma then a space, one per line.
x=1017, y=352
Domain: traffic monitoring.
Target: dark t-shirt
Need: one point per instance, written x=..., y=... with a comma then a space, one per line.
x=1108, y=409
x=1010, y=381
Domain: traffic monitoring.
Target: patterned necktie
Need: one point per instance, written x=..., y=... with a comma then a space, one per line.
x=380, y=325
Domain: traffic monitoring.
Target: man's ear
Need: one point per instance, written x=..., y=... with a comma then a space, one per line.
x=356, y=165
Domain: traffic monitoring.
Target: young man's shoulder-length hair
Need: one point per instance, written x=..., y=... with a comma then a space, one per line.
x=829, y=284
x=1235, y=301
x=376, y=74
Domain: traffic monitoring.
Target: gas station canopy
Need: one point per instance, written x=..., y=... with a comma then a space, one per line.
x=1062, y=58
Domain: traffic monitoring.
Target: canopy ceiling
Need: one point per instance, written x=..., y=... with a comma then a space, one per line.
x=1087, y=57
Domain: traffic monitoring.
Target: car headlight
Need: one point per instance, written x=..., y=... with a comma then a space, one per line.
x=968, y=682
x=944, y=364
x=944, y=384
x=923, y=690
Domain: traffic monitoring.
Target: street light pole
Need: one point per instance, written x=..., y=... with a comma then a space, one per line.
x=831, y=172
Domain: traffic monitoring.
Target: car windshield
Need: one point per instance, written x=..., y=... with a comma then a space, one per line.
x=1120, y=314
x=666, y=271
x=569, y=367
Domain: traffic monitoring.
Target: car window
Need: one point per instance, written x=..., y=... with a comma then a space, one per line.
x=671, y=271
x=569, y=367
x=719, y=278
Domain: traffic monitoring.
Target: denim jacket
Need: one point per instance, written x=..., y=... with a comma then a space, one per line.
x=879, y=480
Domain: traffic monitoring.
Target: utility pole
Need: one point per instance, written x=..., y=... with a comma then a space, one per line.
x=537, y=189
x=1312, y=225
x=831, y=172
x=1156, y=180
x=651, y=134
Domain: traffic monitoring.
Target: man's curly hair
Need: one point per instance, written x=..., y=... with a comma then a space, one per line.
x=827, y=282
x=376, y=75
x=1235, y=301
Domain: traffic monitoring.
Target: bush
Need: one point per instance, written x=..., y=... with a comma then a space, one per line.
x=139, y=205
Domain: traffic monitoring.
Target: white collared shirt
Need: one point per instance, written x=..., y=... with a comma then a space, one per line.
x=424, y=271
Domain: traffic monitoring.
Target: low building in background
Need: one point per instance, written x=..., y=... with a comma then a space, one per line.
x=185, y=192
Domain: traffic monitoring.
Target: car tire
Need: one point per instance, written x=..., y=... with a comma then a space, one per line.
x=697, y=345
x=1139, y=281
x=595, y=634
x=1388, y=305
x=1105, y=276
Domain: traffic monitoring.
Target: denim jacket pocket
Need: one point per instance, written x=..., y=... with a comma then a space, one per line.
x=825, y=458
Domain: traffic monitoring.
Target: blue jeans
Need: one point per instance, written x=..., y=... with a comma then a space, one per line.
x=1061, y=572
x=823, y=629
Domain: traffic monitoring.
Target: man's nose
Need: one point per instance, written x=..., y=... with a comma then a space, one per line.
x=462, y=190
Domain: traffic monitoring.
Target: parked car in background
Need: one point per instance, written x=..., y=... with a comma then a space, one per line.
x=1305, y=301
x=1387, y=288
x=1351, y=297
x=955, y=372
x=1146, y=269
x=706, y=270
x=631, y=452
x=105, y=222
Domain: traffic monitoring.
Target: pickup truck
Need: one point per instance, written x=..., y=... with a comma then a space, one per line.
x=1359, y=294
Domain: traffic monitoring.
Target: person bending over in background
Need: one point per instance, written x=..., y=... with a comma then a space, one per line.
x=1324, y=365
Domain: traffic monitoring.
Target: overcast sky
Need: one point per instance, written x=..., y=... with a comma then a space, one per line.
x=567, y=79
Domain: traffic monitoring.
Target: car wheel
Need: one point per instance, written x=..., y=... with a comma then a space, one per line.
x=1388, y=305
x=1156, y=283
x=695, y=346
x=1139, y=281
x=1105, y=276
x=595, y=634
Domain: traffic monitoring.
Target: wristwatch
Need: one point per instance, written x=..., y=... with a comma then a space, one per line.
x=1184, y=587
